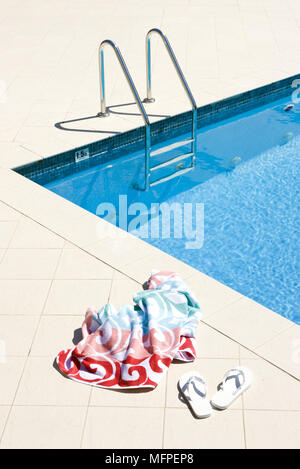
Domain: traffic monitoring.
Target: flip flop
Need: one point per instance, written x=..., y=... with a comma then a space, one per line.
x=235, y=382
x=194, y=390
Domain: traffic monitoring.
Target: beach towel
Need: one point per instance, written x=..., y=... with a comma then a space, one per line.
x=133, y=347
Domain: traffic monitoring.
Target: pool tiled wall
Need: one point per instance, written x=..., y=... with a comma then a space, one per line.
x=63, y=164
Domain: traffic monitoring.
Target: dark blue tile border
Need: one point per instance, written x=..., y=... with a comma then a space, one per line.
x=54, y=167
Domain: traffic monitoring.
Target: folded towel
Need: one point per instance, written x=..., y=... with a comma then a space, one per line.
x=134, y=346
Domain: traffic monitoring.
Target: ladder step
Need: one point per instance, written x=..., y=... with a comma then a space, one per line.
x=172, y=160
x=176, y=174
x=171, y=147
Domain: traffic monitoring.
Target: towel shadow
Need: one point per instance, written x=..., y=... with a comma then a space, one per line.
x=77, y=337
x=132, y=391
x=55, y=366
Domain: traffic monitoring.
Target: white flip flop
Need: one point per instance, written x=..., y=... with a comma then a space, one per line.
x=235, y=382
x=194, y=390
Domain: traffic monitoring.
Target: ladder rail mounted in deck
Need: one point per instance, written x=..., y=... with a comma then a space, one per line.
x=150, y=99
x=148, y=154
x=105, y=111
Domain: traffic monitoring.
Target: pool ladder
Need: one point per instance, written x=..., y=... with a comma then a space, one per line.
x=150, y=169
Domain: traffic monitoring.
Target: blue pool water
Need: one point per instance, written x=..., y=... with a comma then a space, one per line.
x=247, y=178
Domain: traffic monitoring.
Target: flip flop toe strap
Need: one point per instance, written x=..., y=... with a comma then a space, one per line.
x=237, y=375
x=194, y=382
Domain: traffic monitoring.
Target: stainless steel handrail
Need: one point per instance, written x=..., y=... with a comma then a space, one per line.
x=174, y=61
x=105, y=112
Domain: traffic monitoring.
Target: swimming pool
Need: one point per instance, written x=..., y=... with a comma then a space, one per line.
x=246, y=183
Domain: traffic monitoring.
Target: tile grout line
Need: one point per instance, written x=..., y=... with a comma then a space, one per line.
x=11, y=238
x=91, y=390
x=28, y=354
x=164, y=411
x=75, y=244
x=147, y=407
x=243, y=407
x=275, y=336
x=32, y=248
x=219, y=310
x=57, y=278
x=111, y=285
x=253, y=351
x=25, y=361
x=235, y=409
x=85, y=418
x=21, y=145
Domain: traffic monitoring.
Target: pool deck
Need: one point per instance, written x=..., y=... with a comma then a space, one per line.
x=56, y=259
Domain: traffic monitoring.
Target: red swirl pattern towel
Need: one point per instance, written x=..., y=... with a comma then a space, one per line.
x=134, y=346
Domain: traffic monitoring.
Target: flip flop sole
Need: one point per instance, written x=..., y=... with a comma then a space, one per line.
x=198, y=416
x=180, y=385
x=238, y=394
